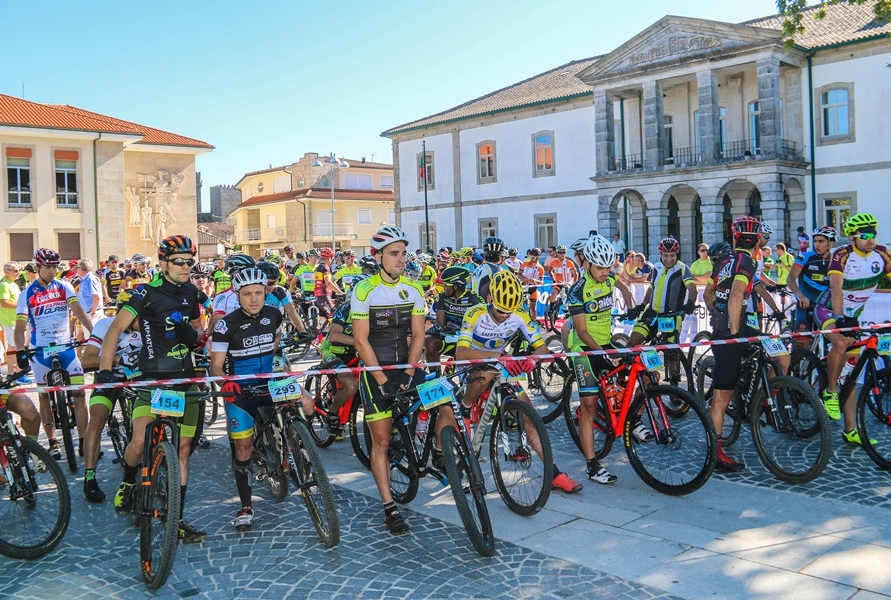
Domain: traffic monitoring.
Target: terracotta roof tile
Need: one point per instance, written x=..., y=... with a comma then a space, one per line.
x=24, y=113
x=319, y=194
x=843, y=23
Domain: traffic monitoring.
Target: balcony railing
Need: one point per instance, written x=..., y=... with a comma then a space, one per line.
x=682, y=157
x=789, y=150
x=258, y=234
x=342, y=231
x=253, y=235
x=739, y=150
x=629, y=162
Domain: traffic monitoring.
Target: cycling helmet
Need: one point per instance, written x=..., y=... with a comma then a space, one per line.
x=858, y=222
x=561, y=249
x=44, y=257
x=314, y=253
x=299, y=255
x=368, y=262
x=139, y=259
x=826, y=231
x=410, y=256
x=386, y=236
x=766, y=230
x=458, y=276
x=268, y=252
x=200, y=270
x=506, y=291
x=536, y=251
x=413, y=267
x=512, y=251
x=599, y=252
x=114, y=258
x=424, y=258
x=466, y=251
x=176, y=244
x=349, y=253
x=443, y=256
x=288, y=248
x=746, y=226
x=275, y=258
x=578, y=245
x=719, y=249
x=326, y=253
x=249, y=276
x=493, y=244
x=237, y=262
x=272, y=271
x=669, y=244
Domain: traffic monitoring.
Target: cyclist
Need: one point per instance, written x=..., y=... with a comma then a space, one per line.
x=450, y=308
x=226, y=301
x=44, y=308
x=324, y=285
x=138, y=272
x=590, y=304
x=219, y=276
x=278, y=297
x=200, y=278
x=809, y=277
x=114, y=277
x=512, y=261
x=244, y=342
x=532, y=276
x=345, y=275
x=126, y=354
x=288, y=251
x=168, y=315
x=492, y=248
x=726, y=293
x=386, y=309
x=428, y=273
x=563, y=272
x=855, y=271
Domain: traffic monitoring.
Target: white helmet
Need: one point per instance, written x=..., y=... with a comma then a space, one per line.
x=766, y=230
x=386, y=236
x=578, y=245
x=599, y=252
x=249, y=276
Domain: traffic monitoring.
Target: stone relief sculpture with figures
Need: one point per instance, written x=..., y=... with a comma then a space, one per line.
x=150, y=203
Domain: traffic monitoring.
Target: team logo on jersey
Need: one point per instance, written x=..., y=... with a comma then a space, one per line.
x=221, y=326
x=491, y=344
x=265, y=321
x=124, y=296
x=179, y=351
x=876, y=267
x=403, y=295
x=233, y=423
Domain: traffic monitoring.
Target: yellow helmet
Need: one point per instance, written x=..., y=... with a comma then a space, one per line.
x=506, y=291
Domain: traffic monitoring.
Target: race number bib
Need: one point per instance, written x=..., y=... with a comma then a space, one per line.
x=51, y=351
x=775, y=347
x=667, y=324
x=651, y=360
x=285, y=390
x=165, y=402
x=752, y=320
x=436, y=392
x=884, y=345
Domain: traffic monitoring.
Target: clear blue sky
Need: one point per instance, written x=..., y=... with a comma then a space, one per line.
x=266, y=81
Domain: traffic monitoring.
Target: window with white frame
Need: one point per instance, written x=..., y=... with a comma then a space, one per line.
x=669, y=139
x=391, y=217
x=485, y=152
x=270, y=221
x=386, y=182
x=281, y=184
x=18, y=178
x=357, y=181
x=422, y=236
x=545, y=230
x=835, y=112
x=488, y=227
x=543, y=153
x=66, y=183
x=838, y=208
x=363, y=216
x=426, y=173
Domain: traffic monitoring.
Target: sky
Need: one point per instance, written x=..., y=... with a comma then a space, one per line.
x=267, y=81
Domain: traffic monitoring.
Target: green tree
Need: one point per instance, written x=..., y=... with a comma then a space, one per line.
x=793, y=10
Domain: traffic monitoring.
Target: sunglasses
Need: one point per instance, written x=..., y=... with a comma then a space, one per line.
x=501, y=312
x=182, y=262
x=864, y=236
x=703, y=249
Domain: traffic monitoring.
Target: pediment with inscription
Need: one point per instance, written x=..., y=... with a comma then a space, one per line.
x=677, y=38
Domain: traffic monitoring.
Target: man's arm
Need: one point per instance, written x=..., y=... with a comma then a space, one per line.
x=121, y=322
x=792, y=281
x=765, y=295
x=709, y=296
x=692, y=292
x=217, y=360
x=581, y=330
x=627, y=296
x=330, y=283
x=337, y=336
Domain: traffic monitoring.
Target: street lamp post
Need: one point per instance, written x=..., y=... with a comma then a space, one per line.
x=333, y=162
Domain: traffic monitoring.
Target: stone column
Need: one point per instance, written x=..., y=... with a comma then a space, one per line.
x=687, y=236
x=709, y=115
x=604, y=137
x=456, y=176
x=712, y=208
x=792, y=116
x=607, y=218
x=653, y=125
x=773, y=208
x=656, y=223
x=769, y=106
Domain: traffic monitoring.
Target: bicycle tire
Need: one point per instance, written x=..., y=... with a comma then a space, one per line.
x=275, y=461
x=50, y=491
x=211, y=411
x=682, y=455
x=403, y=476
x=315, y=488
x=781, y=438
x=321, y=389
x=873, y=418
x=620, y=340
x=522, y=475
x=682, y=379
x=65, y=426
x=163, y=524
x=360, y=439
x=733, y=414
x=697, y=353
x=460, y=467
x=550, y=379
x=603, y=439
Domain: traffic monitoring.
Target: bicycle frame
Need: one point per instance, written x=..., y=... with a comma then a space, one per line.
x=867, y=360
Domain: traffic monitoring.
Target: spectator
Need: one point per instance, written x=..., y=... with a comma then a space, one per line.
x=702, y=266
x=9, y=297
x=645, y=268
x=803, y=240
x=90, y=292
x=768, y=266
x=30, y=273
x=618, y=244
x=784, y=263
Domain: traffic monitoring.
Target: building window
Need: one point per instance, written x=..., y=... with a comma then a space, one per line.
x=754, y=128
x=837, y=209
x=325, y=180
x=363, y=216
x=543, y=153
x=426, y=173
x=834, y=107
x=391, y=217
x=270, y=221
x=21, y=247
x=722, y=131
x=357, y=181
x=545, y=230
x=669, y=139
x=485, y=152
x=281, y=184
x=386, y=182
x=617, y=138
x=69, y=245
x=260, y=187
x=18, y=177
x=422, y=231
x=487, y=228
x=66, y=184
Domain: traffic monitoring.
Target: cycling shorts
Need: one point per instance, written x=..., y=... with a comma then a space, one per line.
x=242, y=413
x=376, y=406
x=105, y=398
x=336, y=361
x=823, y=317
x=40, y=366
x=587, y=370
x=642, y=326
x=803, y=319
x=447, y=348
x=325, y=306
x=728, y=359
x=188, y=425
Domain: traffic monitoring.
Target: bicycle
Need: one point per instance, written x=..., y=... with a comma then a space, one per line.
x=681, y=375
x=410, y=451
x=322, y=388
x=790, y=427
x=547, y=382
x=120, y=423
x=37, y=507
x=61, y=403
x=682, y=454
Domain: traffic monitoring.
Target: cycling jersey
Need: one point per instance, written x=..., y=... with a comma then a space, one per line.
x=737, y=266
x=341, y=317
x=455, y=308
x=595, y=301
x=113, y=281
x=513, y=264
x=346, y=275
x=46, y=310
x=225, y=302
x=531, y=271
x=221, y=281
x=306, y=275
x=813, y=278
x=134, y=277
x=165, y=311
x=427, y=277
x=670, y=287
x=129, y=344
x=479, y=331
x=563, y=271
x=278, y=298
x=320, y=287
x=783, y=266
x=248, y=341
x=861, y=275
x=388, y=308
x=479, y=282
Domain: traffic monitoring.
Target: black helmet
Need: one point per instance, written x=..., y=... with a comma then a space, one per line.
x=455, y=276
x=272, y=271
x=493, y=244
x=719, y=249
x=236, y=262
x=368, y=262
x=176, y=244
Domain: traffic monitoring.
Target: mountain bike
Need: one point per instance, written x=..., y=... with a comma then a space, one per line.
x=682, y=454
x=120, y=423
x=790, y=427
x=36, y=505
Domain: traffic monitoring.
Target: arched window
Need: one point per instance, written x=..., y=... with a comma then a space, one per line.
x=674, y=222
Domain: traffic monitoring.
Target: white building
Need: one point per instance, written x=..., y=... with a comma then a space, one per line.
x=686, y=126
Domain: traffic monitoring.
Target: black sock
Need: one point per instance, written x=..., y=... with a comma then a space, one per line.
x=80, y=444
x=232, y=448
x=390, y=508
x=244, y=476
x=130, y=473
x=89, y=474
x=592, y=463
x=53, y=442
x=182, y=501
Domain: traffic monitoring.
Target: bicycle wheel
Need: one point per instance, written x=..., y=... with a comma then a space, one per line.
x=874, y=420
x=679, y=374
x=313, y=483
x=159, y=530
x=403, y=478
x=274, y=461
x=603, y=439
x=734, y=414
x=321, y=388
x=520, y=451
x=66, y=425
x=697, y=353
x=682, y=455
x=211, y=409
x=360, y=439
x=37, y=506
x=620, y=340
x=469, y=490
x=785, y=437
x=548, y=382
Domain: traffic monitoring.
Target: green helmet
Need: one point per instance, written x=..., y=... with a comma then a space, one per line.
x=858, y=222
x=455, y=276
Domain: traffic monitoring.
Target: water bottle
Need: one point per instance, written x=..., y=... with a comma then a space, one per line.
x=421, y=427
x=611, y=391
